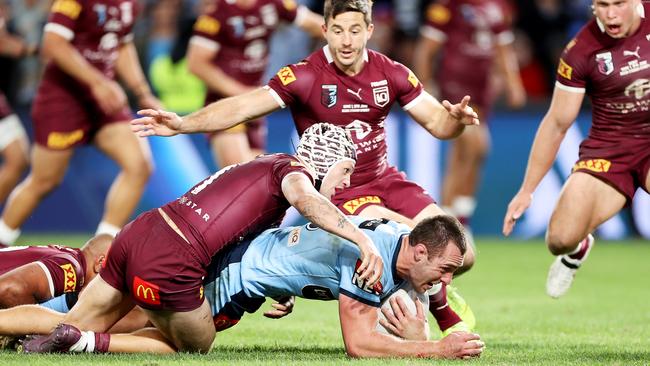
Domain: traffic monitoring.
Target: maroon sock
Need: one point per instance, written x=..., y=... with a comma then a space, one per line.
x=583, y=250
x=102, y=341
x=441, y=310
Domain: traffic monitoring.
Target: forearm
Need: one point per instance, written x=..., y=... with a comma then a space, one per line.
x=129, y=70
x=384, y=345
x=542, y=155
x=217, y=80
x=441, y=124
x=12, y=46
x=321, y=212
x=68, y=59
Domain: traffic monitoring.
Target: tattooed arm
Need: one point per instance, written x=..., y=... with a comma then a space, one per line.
x=302, y=195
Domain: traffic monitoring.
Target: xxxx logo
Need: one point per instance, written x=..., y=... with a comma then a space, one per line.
x=70, y=278
x=145, y=291
x=353, y=205
x=595, y=165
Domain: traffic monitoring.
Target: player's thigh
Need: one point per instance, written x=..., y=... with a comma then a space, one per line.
x=100, y=306
x=191, y=331
x=584, y=203
x=230, y=147
x=49, y=165
x=118, y=142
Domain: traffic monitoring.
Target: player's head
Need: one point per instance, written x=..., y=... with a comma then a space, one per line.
x=330, y=153
x=438, y=245
x=618, y=18
x=95, y=251
x=347, y=28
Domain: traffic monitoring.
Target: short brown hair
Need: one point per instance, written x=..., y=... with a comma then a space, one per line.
x=336, y=7
x=436, y=232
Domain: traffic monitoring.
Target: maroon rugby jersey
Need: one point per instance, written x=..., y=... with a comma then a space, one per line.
x=96, y=28
x=317, y=91
x=233, y=203
x=469, y=30
x=64, y=267
x=615, y=73
x=241, y=37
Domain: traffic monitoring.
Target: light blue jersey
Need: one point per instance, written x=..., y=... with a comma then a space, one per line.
x=303, y=261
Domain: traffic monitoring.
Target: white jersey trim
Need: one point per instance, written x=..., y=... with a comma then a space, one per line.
x=505, y=37
x=415, y=101
x=275, y=96
x=11, y=130
x=49, y=277
x=571, y=89
x=127, y=38
x=301, y=14
x=433, y=33
x=59, y=29
x=205, y=43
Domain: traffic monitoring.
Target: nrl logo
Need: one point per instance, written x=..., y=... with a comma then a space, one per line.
x=380, y=95
x=605, y=63
x=328, y=95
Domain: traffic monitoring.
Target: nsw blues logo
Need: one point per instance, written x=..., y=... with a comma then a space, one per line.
x=328, y=95
x=605, y=63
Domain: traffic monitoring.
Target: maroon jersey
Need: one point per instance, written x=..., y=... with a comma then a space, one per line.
x=615, y=73
x=64, y=267
x=469, y=30
x=317, y=91
x=241, y=36
x=95, y=28
x=233, y=203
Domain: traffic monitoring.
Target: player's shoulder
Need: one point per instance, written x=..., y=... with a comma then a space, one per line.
x=587, y=41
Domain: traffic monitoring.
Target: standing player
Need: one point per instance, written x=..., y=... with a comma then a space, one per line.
x=471, y=34
x=79, y=101
x=230, y=52
x=159, y=260
x=348, y=85
x=608, y=60
x=13, y=139
x=30, y=275
x=293, y=261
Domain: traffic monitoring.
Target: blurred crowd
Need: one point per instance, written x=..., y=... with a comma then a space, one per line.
x=542, y=28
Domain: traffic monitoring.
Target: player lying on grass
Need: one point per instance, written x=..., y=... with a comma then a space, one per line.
x=293, y=261
x=30, y=275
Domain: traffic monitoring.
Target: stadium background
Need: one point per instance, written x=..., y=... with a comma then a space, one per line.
x=542, y=29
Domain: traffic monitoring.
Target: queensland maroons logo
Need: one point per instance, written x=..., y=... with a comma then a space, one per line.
x=328, y=95
x=605, y=63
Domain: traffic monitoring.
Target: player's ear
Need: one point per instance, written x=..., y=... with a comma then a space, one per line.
x=371, y=28
x=98, y=263
x=421, y=252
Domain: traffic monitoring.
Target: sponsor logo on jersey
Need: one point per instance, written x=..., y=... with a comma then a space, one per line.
x=289, y=4
x=413, y=79
x=62, y=140
x=328, y=95
x=564, y=69
x=352, y=206
x=634, y=53
x=69, y=277
x=605, y=63
x=570, y=45
x=376, y=289
x=201, y=293
x=207, y=24
x=223, y=322
x=294, y=237
x=315, y=292
x=355, y=93
x=145, y=291
x=638, y=89
x=296, y=163
x=286, y=76
x=438, y=14
x=634, y=66
x=594, y=165
x=381, y=95
x=69, y=8
x=352, y=108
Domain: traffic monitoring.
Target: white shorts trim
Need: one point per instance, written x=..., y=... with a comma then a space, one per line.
x=49, y=277
x=11, y=130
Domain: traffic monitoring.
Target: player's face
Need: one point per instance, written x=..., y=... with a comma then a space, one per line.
x=430, y=271
x=619, y=17
x=347, y=35
x=337, y=178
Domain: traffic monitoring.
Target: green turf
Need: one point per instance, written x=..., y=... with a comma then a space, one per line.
x=604, y=320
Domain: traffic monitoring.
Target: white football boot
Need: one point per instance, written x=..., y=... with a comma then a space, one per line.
x=563, y=270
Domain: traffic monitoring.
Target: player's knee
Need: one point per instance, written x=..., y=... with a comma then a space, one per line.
x=139, y=169
x=42, y=185
x=201, y=345
x=559, y=242
x=16, y=164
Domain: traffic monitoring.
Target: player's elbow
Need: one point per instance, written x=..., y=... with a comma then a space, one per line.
x=358, y=348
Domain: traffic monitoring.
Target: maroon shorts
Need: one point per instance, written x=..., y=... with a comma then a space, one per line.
x=390, y=190
x=68, y=117
x=152, y=263
x=255, y=132
x=623, y=165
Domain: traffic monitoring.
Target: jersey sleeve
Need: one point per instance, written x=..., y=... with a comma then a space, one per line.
x=207, y=32
x=287, y=10
x=291, y=84
x=408, y=89
x=352, y=286
x=64, y=272
x=285, y=167
x=502, y=29
x=64, y=17
x=571, y=69
x=437, y=21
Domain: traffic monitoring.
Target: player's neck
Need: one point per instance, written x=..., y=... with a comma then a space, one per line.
x=404, y=257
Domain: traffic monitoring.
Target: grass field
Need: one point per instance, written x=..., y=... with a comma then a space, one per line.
x=604, y=320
